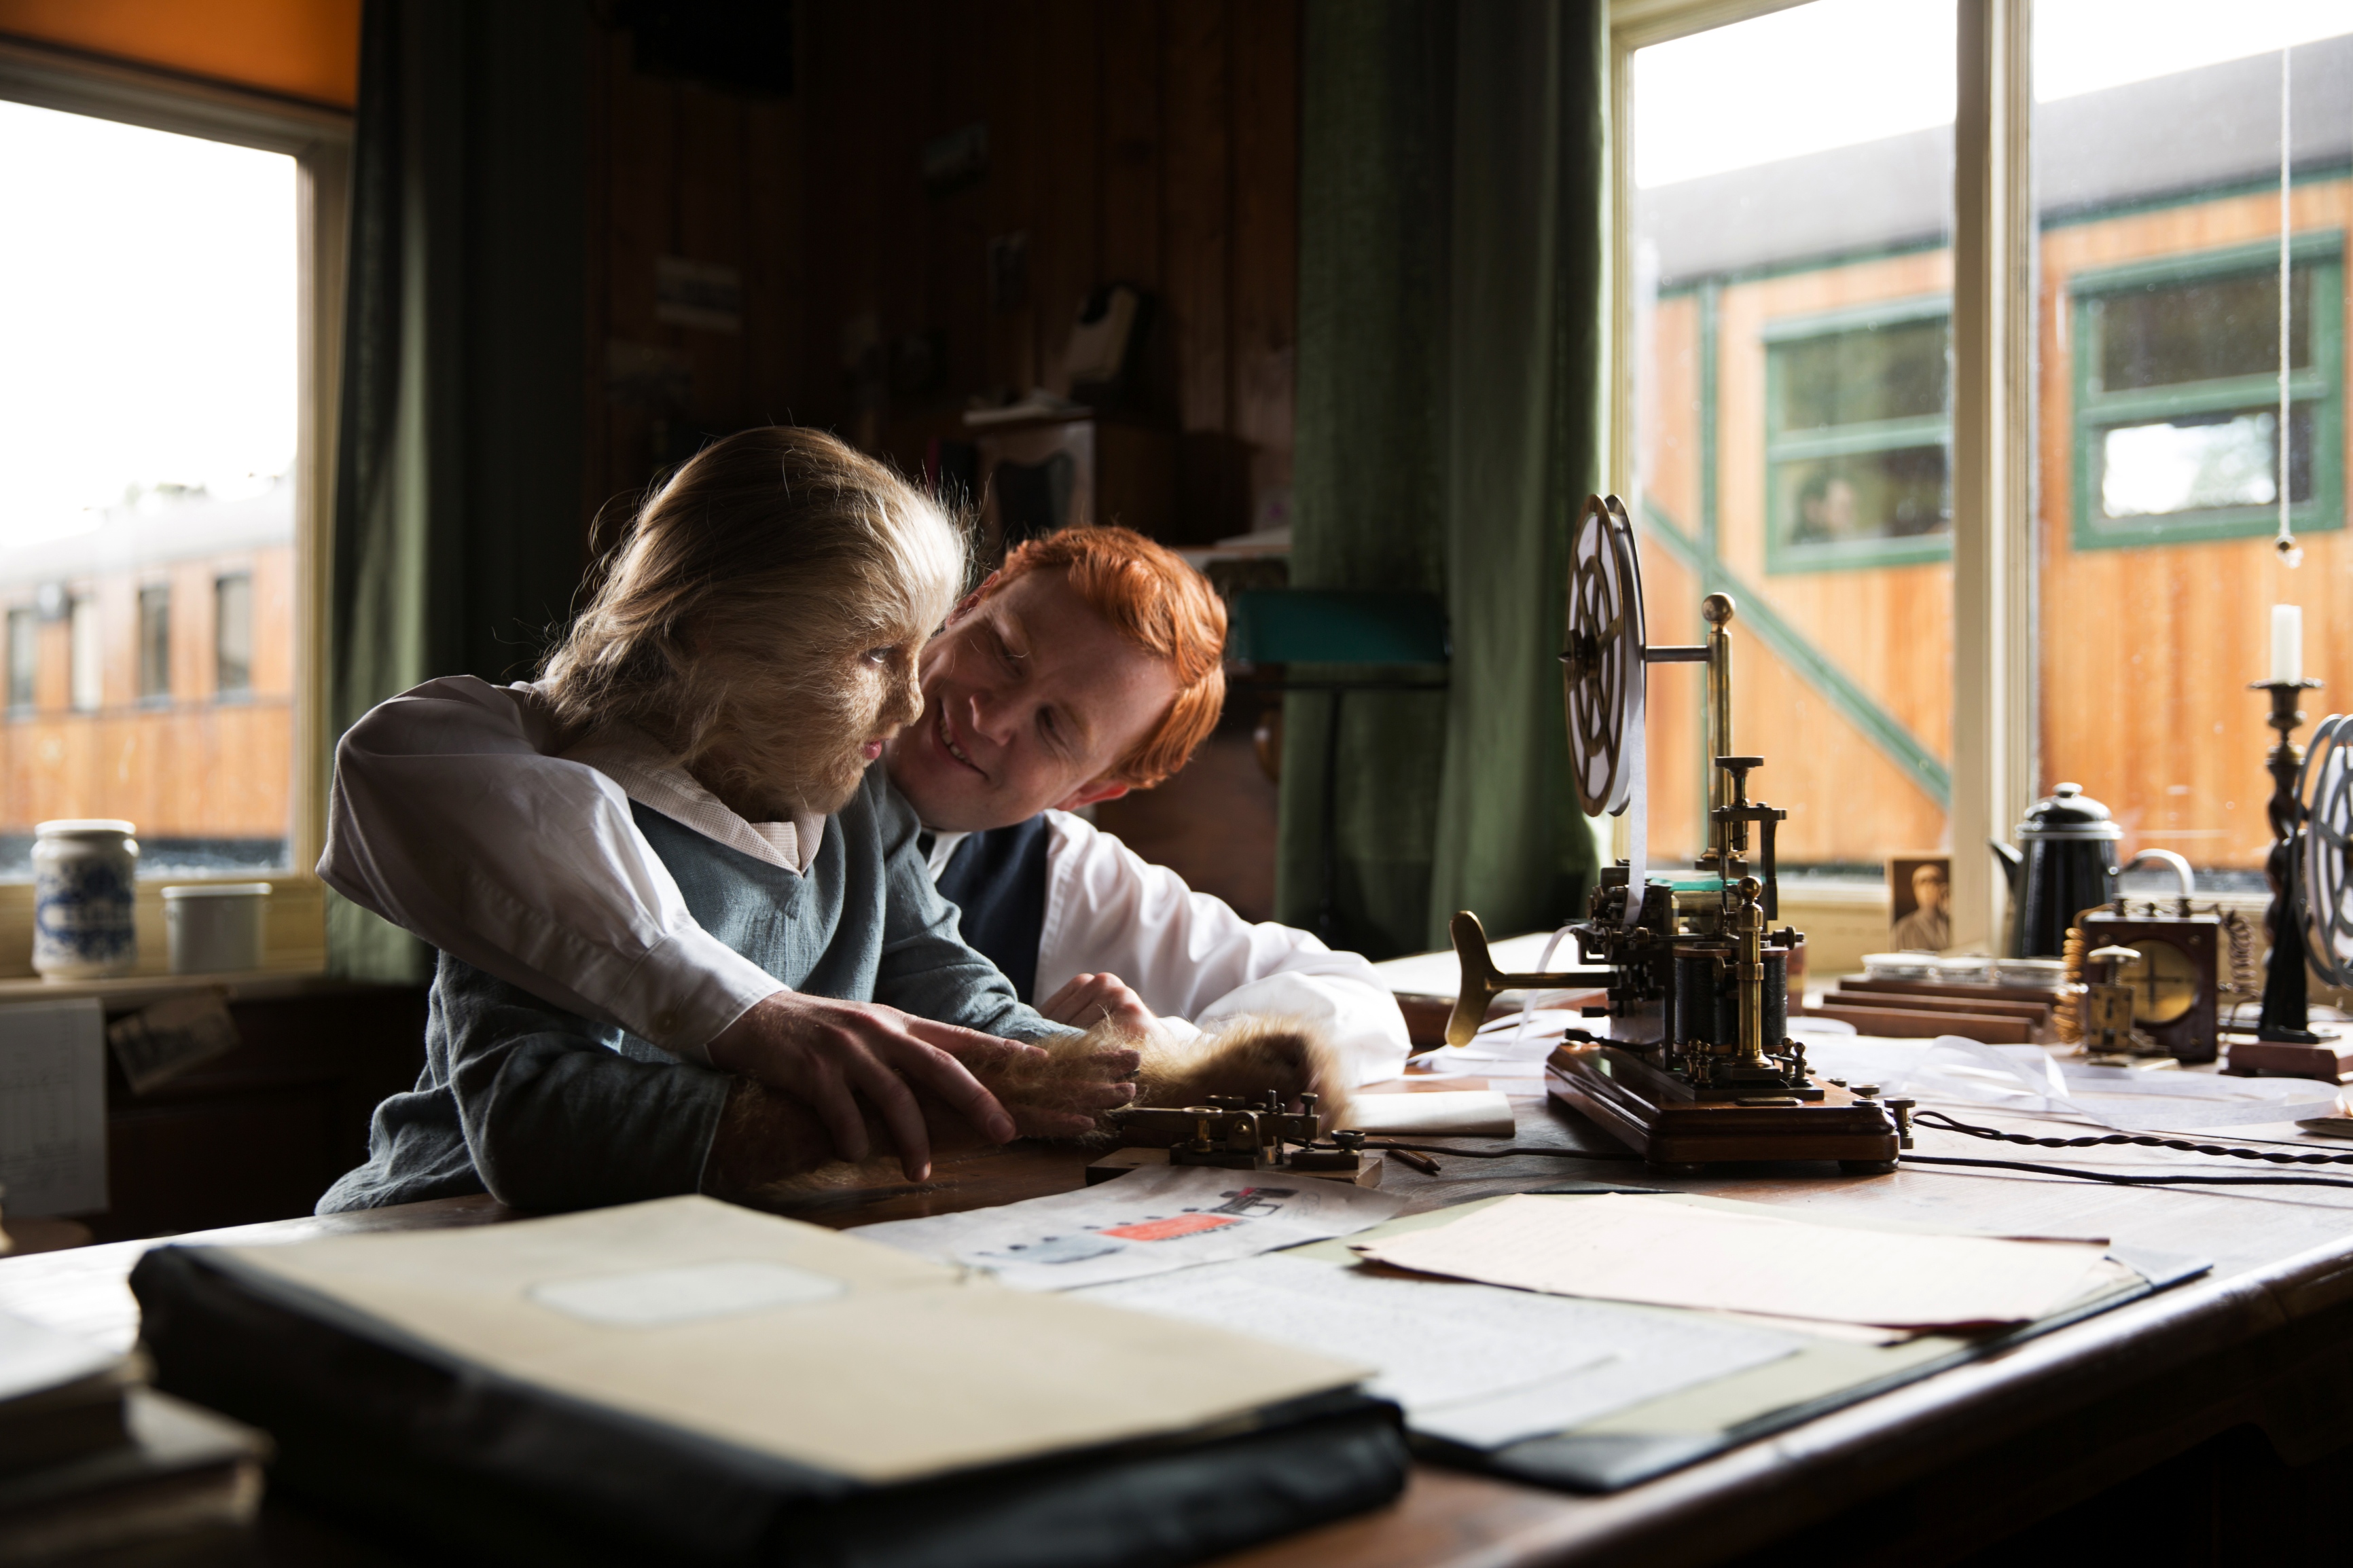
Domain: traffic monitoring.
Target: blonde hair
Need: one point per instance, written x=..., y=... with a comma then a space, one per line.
x=716, y=621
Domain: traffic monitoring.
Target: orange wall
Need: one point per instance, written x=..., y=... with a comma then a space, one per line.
x=302, y=49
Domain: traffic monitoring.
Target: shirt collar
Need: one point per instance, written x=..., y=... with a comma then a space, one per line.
x=649, y=775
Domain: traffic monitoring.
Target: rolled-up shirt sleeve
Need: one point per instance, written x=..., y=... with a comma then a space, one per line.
x=449, y=819
x=1189, y=955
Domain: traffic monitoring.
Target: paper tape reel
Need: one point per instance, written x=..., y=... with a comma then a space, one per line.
x=1603, y=666
x=2325, y=791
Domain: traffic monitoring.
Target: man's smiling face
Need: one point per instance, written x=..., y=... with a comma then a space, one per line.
x=1030, y=697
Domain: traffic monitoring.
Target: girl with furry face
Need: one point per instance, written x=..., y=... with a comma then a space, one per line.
x=763, y=620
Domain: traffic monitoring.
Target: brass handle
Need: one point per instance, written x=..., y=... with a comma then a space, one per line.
x=1482, y=982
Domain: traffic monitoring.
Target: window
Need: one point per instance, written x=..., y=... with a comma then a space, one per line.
x=2177, y=403
x=1857, y=424
x=85, y=656
x=233, y=635
x=1792, y=414
x=2087, y=597
x=155, y=643
x=24, y=646
x=164, y=339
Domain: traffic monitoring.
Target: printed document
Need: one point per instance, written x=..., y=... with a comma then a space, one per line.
x=1150, y=1221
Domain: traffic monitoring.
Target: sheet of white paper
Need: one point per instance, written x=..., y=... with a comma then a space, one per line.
x=1454, y=1113
x=1499, y=1051
x=1471, y=1364
x=52, y=1107
x=1150, y=1221
x=34, y=1359
x=1645, y=1249
x=2032, y=1080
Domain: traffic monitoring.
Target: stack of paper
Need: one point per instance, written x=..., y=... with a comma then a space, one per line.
x=90, y=1460
x=1470, y=1363
x=1659, y=1250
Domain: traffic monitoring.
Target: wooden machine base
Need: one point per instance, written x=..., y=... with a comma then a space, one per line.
x=1660, y=1118
x=1120, y=1161
x=2330, y=1061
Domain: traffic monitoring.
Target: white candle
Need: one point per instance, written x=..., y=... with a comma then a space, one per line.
x=2287, y=643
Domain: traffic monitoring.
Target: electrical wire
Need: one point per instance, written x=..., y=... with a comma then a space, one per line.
x=1501, y=1153
x=1943, y=1123
x=2084, y=1173
x=1937, y=1119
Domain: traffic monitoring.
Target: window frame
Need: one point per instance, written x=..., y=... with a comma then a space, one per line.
x=2320, y=386
x=1993, y=403
x=318, y=138
x=1784, y=555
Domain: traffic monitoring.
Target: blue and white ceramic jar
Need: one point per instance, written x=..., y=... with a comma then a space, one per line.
x=85, y=878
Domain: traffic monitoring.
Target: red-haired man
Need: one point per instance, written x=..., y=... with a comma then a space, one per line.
x=1088, y=667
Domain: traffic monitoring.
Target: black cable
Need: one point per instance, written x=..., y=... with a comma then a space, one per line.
x=2143, y=1141
x=1499, y=1154
x=2085, y=1174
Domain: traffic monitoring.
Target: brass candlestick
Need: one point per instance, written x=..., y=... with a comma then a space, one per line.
x=2283, y=1017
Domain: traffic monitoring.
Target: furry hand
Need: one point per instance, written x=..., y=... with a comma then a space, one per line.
x=830, y=1054
x=1063, y=1091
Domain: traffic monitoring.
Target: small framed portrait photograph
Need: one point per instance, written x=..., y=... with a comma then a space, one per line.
x=1920, y=902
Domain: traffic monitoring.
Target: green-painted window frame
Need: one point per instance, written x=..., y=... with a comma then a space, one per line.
x=1783, y=554
x=2320, y=385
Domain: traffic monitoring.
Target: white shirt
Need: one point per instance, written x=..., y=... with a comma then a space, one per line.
x=457, y=814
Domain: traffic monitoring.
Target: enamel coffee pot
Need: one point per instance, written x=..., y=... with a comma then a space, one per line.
x=2065, y=862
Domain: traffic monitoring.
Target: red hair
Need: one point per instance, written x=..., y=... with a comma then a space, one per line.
x=1160, y=604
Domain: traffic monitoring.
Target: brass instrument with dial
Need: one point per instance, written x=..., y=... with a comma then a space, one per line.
x=2174, y=985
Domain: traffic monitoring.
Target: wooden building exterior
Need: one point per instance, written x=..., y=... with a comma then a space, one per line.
x=1770, y=381
x=150, y=678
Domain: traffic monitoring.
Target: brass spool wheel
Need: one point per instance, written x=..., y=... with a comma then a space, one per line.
x=1603, y=659
x=2326, y=792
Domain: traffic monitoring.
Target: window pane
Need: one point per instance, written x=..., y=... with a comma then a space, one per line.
x=1895, y=371
x=1898, y=494
x=87, y=654
x=154, y=642
x=24, y=646
x=2203, y=462
x=2166, y=334
x=2156, y=176
x=1792, y=290
x=147, y=439
x=233, y=635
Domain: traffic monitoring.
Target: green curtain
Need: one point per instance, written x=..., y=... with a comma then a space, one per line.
x=457, y=538
x=1451, y=418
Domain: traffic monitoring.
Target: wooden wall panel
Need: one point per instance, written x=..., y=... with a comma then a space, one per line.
x=1137, y=141
x=1265, y=187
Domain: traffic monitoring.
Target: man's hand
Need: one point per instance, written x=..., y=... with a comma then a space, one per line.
x=827, y=1052
x=1092, y=999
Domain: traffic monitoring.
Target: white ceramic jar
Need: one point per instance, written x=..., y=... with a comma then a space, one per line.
x=212, y=926
x=85, y=874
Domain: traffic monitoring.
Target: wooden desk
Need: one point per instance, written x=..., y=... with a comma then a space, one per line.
x=1928, y=1473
